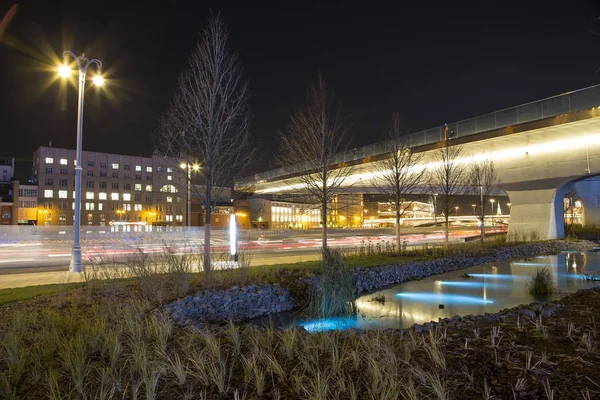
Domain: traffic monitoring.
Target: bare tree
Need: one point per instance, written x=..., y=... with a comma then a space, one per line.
x=397, y=176
x=209, y=117
x=484, y=181
x=315, y=134
x=447, y=180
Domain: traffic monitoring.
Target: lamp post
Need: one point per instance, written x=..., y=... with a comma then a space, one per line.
x=82, y=64
x=492, y=211
x=456, y=209
x=189, y=168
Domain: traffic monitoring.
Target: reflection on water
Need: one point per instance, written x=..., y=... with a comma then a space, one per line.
x=492, y=287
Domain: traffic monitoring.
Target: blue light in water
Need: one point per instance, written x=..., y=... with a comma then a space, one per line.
x=499, y=276
x=329, y=324
x=465, y=284
x=531, y=264
x=444, y=298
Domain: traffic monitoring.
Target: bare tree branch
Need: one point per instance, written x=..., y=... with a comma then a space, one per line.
x=484, y=181
x=208, y=119
x=397, y=176
x=315, y=134
x=447, y=180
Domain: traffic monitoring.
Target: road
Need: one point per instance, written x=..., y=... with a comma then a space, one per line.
x=29, y=262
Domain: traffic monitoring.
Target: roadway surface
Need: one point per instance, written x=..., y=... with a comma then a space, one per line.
x=31, y=262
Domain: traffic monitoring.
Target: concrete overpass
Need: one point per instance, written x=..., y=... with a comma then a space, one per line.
x=539, y=148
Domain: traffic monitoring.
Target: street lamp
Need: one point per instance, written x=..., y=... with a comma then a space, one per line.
x=456, y=209
x=82, y=64
x=492, y=211
x=189, y=168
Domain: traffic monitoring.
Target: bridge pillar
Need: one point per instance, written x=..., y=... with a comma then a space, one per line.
x=535, y=215
x=588, y=191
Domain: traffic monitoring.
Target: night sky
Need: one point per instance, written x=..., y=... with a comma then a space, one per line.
x=431, y=62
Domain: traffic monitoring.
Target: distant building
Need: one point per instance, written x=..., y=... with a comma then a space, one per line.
x=7, y=170
x=114, y=188
x=26, y=202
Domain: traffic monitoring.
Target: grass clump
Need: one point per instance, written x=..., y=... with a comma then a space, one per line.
x=335, y=296
x=541, y=283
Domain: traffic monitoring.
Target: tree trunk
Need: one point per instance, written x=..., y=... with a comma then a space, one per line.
x=207, y=230
x=398, y=242
x=446, y=231
x=482, y=230
x=324, y=218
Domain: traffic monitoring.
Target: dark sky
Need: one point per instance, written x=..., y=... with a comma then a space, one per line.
x=431, y=62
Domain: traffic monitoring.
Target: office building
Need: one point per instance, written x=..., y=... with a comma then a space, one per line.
x=114, y=188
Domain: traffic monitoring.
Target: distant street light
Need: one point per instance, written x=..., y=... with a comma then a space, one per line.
x=492, y=211
x=82, y=64
x=456, y=209
x=195, y=168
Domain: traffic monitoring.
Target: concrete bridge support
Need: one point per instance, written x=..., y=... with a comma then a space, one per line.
x=536, y=214
x=588, y=191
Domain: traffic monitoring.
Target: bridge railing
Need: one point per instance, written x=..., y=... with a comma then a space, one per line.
x=577, y=100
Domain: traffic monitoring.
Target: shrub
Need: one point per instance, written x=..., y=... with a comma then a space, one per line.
x=541, y=283
x=336, y=294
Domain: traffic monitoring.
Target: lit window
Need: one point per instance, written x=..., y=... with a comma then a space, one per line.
x=126, y=197
x=179, y=218
x=115, y=166
x=148, y=188
x=48, y=194
x=169, y=177
x=138, y=187
x=169, y=170
x=102, y=195
x=89, y=206
x=169, y=199
x=49, y=160
x=148, y=169
x=100, y=206
x=114, y=196
x=169, y=218
x=89, y=195
x=127, y=207
x=138, y=168
x=62, y=194
x=63, y=161
x=137, y=207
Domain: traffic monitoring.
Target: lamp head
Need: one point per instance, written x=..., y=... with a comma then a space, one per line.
x=98, y=80
x=64, y=71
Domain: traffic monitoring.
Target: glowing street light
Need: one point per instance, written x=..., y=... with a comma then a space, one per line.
x=82, y=63
x=492, y=211
x=64, y=71
x=195, y=168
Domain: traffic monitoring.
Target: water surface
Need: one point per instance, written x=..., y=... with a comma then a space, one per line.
x=492, y=288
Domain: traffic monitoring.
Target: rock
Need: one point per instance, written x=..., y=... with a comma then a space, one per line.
x=527, y=313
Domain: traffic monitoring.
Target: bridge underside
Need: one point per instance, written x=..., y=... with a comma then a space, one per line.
x=536, y=163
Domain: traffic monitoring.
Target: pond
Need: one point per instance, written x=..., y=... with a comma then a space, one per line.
x=491, y=288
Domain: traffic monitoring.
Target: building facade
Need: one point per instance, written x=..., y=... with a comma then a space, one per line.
x=26, y=200
x=114, y=188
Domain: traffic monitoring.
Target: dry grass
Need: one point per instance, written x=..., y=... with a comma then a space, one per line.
x=98, y=347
